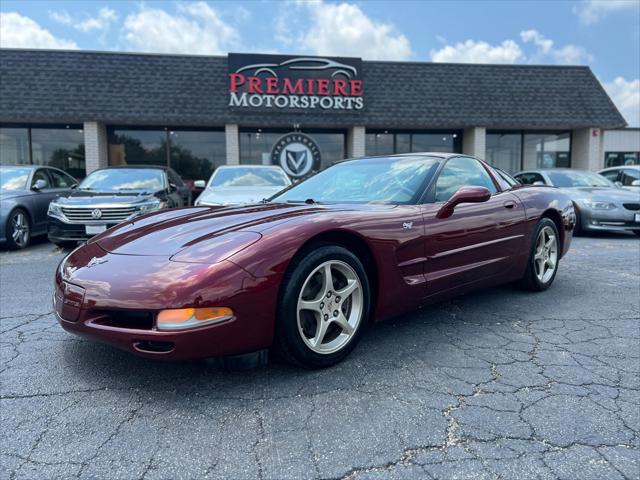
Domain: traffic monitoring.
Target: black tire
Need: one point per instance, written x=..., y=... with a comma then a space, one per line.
x=530, y=280
x=18, y=215
x=288, y=340
x=577, y=229
x=637, y=232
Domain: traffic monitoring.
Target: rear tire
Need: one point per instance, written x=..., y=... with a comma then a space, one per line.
x=18, y=229
x=637, y=232
x=324, y=307
x=544, y=257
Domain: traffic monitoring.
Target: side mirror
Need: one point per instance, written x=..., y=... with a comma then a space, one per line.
x=539, y=183
x=173, y=188
x=618, y=184
x=635, y=183
x=39, y=185
x=199, y=184
x=464, y=195
x=74, y=186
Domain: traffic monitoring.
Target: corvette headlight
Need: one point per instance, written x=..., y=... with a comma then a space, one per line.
x=54, y=210
x=599, y=205
x=182, y=318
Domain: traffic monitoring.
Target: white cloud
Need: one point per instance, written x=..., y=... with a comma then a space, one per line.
x=18, y=31
x=341, y=29
x=471, y=51
x=626, y=95
x=196, y=28
x=568, y=54
x=591, y=11
x=512, y=51
x=101, y=22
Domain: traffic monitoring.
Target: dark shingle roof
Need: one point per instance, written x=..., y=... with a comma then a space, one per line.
x=180, y=90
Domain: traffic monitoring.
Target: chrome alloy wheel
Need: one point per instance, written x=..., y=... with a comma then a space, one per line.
x=20, y=229
x=545, y=259
x=330, y=307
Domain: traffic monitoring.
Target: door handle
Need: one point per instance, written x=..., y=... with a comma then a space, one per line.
x=509, y=204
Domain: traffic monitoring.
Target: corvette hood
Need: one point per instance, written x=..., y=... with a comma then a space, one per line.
x=170, y=231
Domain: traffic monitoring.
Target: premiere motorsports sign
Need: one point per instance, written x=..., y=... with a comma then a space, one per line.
x=289, y=82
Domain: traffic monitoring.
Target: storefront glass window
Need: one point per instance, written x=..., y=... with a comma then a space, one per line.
x=616, y=159
x=14, y=146
x=256, y=146
x=379, y=143
x=503, y=150
x=403, y=143
x=388, y=143
x=433, y=142
x=546, y=150
x=193, y=154
x=196, y=154
x=62, y=148
x=137, y=147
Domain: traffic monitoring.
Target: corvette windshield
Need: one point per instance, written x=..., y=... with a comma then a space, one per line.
x=114, y=179
x=249, y=177
x=577, y=179
x=395, y=180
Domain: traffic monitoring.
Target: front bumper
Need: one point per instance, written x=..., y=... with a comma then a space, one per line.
x=116, y=300
x=617, y=219
x=59, y=231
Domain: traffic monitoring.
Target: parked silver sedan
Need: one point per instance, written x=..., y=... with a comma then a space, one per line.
x=25, y=194
x=599, y=204
x=625, y=176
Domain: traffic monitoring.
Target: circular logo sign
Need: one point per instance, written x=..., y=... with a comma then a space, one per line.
x=97, y=213
x=298, y=154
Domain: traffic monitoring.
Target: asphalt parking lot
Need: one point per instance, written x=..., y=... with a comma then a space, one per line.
x=499, y=384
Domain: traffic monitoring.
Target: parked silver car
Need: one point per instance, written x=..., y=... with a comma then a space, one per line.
x=235, y=185
x=599, y=204
x=25, y=194
x=625, y=176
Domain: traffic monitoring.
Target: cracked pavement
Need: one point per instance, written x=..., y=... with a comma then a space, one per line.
x=497, y=384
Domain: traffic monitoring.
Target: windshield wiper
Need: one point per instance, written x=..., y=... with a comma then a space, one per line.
x=308, y=201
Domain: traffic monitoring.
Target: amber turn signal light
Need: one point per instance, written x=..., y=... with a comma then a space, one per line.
x=184, y=318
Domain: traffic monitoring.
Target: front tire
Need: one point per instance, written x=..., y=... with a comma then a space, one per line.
x=544, y=257
x=18, y=229
x=324, y=307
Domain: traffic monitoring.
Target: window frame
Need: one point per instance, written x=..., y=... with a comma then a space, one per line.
x=429, y=195
x=523, y=133
x=51, y=170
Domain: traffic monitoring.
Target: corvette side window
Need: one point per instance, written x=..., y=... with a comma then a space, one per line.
x=461, y=172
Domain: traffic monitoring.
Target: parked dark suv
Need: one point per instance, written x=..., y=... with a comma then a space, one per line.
x=113, y=195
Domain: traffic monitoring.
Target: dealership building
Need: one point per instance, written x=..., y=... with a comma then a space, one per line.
x=84, y=110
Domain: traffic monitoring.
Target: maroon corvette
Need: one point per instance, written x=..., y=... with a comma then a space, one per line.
x=306, y=271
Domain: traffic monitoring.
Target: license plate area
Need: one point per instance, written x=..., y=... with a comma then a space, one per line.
x=95, y=229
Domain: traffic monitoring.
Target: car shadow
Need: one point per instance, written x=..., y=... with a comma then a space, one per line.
x=420, y=336
x=607, y=235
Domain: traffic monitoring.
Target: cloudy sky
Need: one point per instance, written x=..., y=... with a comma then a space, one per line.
x=604, y=34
